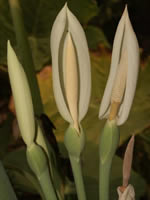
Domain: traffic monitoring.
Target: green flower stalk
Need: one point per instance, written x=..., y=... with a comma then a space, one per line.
x=36, y=156
x=118, y=96
x=71, y=85
x=75, y=144
x=53, y=165
x=109, y=140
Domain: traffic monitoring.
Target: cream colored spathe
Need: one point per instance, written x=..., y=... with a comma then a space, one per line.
x=121, y=84
x=70, y=67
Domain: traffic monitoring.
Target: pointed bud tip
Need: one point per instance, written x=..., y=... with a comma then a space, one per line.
x=8, y=43
x=66, y=5
x=9, y=47
x=125, y=12
x=126, y=7
x=10, y=53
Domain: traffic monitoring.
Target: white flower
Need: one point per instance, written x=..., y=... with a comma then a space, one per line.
x=22, y=97
x=128, y=193
x=70, y=67
x=121, y=84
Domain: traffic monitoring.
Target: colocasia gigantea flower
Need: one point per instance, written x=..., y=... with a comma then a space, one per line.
x=70, y=68
x=121, y=84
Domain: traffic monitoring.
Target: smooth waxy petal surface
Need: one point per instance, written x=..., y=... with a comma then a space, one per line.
x=22, y=97
x=67, y=22
x=125, y=43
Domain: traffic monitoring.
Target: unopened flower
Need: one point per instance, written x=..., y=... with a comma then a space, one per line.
x=121, y=84
x=127, y=162
x=22, y=97
x=123, y=192
x=70, y=67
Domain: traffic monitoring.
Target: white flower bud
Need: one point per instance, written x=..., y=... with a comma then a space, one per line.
x=22, y=97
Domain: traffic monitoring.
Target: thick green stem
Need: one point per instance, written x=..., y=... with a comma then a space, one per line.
x=77, y=173
x=6, y=190
x=108, y=144
x=47, y=186
x=74, y=143
x=55, y=175
x=24, y=53
x=104, y=180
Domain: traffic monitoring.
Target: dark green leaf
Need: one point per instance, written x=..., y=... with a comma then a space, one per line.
x=5, y=134
x=6, y=189
x=19, y=172
x=95, y=36
x=39, y=16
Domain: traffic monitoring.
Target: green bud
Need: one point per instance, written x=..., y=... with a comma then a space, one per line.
x=37, y=159
x=38, y=163
x=109, y=140
x=74, y=141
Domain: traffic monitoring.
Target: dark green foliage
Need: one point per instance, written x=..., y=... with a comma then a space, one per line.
x=95, y=36
x=38, y=17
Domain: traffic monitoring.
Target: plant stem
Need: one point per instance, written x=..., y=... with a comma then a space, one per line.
x=108, y=144
x=47, y=186
x=77, y=173
x=52, y=161
x=24, y=53
x=104, y=180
